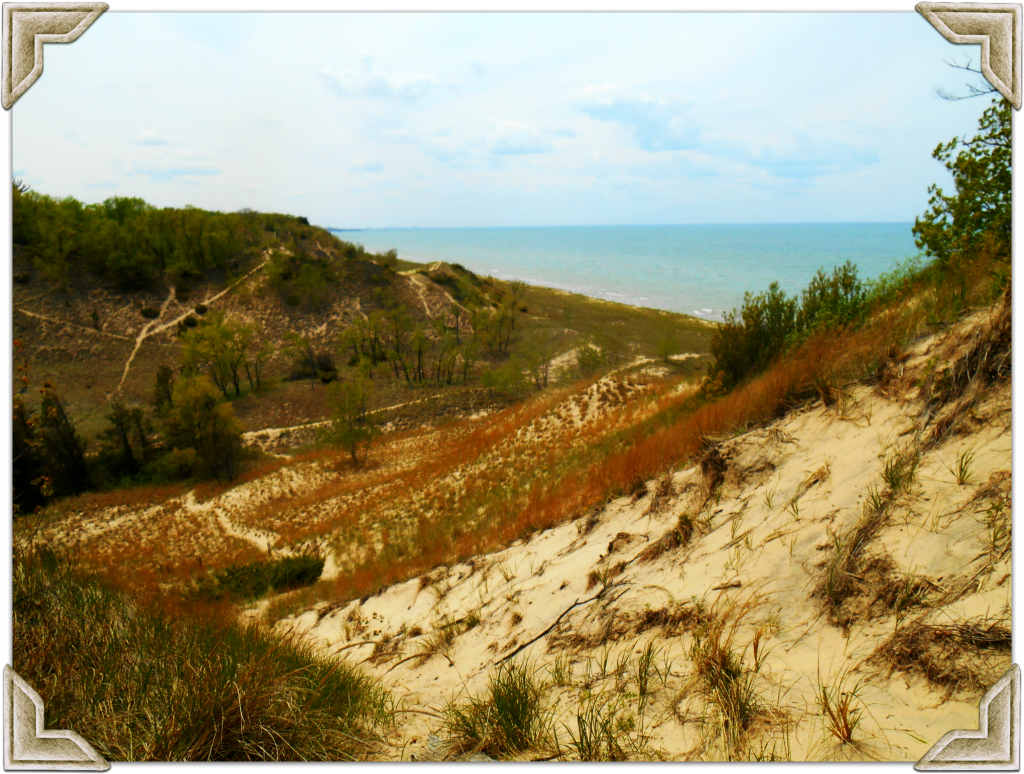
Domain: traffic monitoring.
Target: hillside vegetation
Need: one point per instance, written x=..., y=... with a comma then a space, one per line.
x=620, y=535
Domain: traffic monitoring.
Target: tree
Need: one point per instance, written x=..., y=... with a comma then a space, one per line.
x=163, y=388
x=538, y=349
x=222, y=347
x=351, y=427
x=981, y=89
x=588, y=359
x=199, y=420
x=980, y=210
x=61, y=448
x=119, y=435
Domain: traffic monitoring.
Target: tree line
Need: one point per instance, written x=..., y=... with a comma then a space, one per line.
x=132, y=244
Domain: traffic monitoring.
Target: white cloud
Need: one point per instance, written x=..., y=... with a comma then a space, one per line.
x=369, y=81
x=363, y=164
x=510, y=138
x=151, y=137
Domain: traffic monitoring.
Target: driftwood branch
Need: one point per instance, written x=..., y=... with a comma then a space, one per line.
x=564, y=613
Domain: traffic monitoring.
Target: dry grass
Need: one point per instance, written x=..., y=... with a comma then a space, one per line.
x=960, y=656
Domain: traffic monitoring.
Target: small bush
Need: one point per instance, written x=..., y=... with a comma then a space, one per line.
x=508, y=718
x=254, y=579
x=200, y=309
x=190, y=322
x=149, y=312
x=292, y=299
x=588, y=359
x=832, y=300
x=22, y=277
x=181, y=293
x=749, y=340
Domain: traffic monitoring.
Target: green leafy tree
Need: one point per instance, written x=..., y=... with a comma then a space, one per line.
x=351, y=426
x=201, y=422
x=980, y=209
x=163, y=388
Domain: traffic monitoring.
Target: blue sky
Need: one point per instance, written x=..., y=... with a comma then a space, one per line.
x=366, y=120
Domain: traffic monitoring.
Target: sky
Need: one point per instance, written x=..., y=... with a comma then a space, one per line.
x=472, y=120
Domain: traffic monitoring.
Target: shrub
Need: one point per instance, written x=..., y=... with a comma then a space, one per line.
x=199, y=421
x=588, y=359
x=190, y=322
x=832, y=300
x=749, y=340
x=200, y=309
x=22, y=277
x=292, y=299
x=181, y=293
x=149, y=312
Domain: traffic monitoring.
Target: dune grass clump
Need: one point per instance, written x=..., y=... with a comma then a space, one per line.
x=510, y=716
x=960, y=656
x=150, y=684
x=725, y=681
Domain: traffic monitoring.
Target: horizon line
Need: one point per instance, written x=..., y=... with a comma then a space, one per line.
x=625, y=225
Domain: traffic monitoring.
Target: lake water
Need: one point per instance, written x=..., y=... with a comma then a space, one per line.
x=699, y=270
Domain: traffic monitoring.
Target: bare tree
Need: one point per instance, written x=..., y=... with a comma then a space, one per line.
x=973, y=90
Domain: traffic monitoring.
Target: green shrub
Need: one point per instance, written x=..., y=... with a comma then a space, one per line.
x=292, y=572
x=181, y=293
x=201, y=309
x=832, y=300
x=750, y=339
x=588, y=359
x=190, y=322
x=149, y=312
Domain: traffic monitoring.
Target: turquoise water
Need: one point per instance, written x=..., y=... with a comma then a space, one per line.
x=699, y=270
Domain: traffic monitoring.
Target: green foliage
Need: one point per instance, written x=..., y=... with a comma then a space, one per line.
x=254, y=579
x=162, y=686
x=149, y=312
x=30, y=488
x=126, y=443
x=980, y=210
x=133, y=245
x=508, y=718
x=589, y=359
x=351, y=427
x=749, y=340
x=60, y=448
x=163, y=387
x=832, y=300
x=197, y=420
x=507, y=379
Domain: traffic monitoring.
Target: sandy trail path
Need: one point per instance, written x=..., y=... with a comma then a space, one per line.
x=154, y=326
x=85, y=328
x=259, y=539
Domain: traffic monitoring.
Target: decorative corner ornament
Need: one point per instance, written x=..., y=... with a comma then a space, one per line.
x=27, y=26
x=28, y=744
x=996, y=27
x=995, y=745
